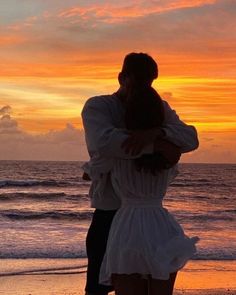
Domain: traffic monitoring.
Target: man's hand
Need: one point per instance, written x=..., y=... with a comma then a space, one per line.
x=138, y=139
x=86, y=177
x=169, y=150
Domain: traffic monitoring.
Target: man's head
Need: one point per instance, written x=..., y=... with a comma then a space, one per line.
x=139, y=69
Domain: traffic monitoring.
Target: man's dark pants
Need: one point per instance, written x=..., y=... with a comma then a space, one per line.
x=96, y=242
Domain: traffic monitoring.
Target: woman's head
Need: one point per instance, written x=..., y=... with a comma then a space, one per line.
x=144, y=110
x=144, y=107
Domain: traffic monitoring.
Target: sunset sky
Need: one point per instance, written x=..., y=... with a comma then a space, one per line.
x=56, y=54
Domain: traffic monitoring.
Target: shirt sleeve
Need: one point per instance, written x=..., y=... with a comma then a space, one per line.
x=176, y=131
x=100, y=133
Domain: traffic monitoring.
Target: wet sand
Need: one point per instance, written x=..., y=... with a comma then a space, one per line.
x=208, y=278
x=74, y=285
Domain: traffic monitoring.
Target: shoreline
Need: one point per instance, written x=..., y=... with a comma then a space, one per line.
x=67, y=277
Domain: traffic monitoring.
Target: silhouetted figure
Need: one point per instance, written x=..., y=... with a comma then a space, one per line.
x=116, y=128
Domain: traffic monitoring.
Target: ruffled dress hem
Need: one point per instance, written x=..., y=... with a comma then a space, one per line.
x=167, y=259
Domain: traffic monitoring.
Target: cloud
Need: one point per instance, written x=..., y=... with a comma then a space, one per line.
x=68, y=135
x=69, y=144
x=7, y=124
x=16, y=143
x=187, y=36
x=5, y=110
x=124, y=11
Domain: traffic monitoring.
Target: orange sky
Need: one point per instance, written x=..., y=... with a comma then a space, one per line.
x=55, y=55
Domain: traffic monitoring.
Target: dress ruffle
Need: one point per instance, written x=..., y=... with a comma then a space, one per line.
x=145, y=248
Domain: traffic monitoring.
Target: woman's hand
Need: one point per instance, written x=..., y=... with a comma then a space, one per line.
x=86, y=177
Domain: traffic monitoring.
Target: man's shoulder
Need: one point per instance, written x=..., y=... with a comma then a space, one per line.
x=165, y=103
x=100, y=100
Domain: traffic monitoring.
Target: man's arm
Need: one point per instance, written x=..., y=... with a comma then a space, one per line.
x=177, y=132
x=103, y=137
x=173, y=131
x=101, y=134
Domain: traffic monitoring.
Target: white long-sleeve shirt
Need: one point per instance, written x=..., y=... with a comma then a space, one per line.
x=104, y=125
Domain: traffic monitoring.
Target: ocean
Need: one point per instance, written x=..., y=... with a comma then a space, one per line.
x=45, y=214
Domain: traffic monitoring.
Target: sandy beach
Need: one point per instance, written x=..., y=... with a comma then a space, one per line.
x=210, y=278
x=74, y=285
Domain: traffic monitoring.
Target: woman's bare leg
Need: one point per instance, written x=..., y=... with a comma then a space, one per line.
x=162, y=287
x=131, y=284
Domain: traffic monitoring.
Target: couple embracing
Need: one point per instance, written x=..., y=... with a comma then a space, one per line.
x=135, y=140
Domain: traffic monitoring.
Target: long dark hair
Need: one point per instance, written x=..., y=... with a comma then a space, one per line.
x=144, y=110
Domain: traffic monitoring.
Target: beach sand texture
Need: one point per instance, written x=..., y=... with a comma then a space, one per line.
x=213, y=279
x=74, y=285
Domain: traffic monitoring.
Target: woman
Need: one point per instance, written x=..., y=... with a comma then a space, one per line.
x=146, y=245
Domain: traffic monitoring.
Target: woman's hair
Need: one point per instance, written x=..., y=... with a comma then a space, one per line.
x=144, y=110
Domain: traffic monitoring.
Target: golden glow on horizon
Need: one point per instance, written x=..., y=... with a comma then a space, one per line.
x=199, y=101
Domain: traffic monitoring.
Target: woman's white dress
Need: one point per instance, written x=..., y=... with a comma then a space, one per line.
x=144, y=237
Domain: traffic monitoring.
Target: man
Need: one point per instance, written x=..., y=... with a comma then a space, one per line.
x=107, y=138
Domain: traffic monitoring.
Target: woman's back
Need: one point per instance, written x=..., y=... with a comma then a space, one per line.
x=129, y=183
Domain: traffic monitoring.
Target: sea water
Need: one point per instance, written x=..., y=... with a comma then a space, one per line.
x=45, y=213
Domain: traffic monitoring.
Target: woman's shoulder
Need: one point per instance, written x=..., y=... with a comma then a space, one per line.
x=141, y=183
